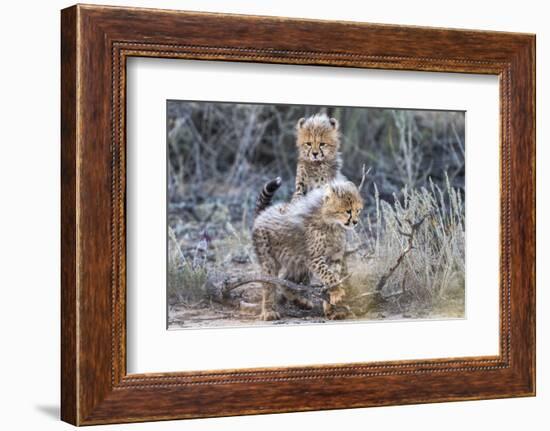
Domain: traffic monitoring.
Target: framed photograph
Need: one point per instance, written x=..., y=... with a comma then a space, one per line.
x=264, y=214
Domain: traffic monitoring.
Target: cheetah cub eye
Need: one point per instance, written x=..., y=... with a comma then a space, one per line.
x=352, y=217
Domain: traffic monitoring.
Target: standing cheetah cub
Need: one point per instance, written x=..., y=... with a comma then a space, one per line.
x=319, y=162
x=307, y=239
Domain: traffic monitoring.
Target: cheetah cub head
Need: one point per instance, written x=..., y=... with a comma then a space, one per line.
x=342, y=204
x=318, y=138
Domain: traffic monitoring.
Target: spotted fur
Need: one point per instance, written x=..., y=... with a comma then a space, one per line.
x=265, y=197
x=307, y=239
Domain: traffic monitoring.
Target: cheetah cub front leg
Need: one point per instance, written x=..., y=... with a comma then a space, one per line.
x=335, y=291
x=268, y=305
x=270, y=267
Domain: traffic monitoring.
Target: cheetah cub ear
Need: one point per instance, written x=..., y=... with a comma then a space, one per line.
x=300, y=123
x=334, y=123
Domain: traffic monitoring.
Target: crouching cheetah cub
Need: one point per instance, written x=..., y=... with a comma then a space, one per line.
x=319, y=162
x=307, y=239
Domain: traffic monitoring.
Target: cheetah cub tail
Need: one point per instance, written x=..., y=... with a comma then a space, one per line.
x=265, y=197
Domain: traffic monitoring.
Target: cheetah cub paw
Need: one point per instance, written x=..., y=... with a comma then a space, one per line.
x=335, y=313
x=303, y=303
x=336, y=294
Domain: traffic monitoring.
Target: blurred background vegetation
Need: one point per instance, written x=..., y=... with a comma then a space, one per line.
x=220, y=155
x=224, y=146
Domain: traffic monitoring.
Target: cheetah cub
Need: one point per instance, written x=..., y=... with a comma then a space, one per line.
x=319, y=162
x=307, y=239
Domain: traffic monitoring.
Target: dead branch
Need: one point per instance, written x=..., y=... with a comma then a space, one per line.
x=272, y=281
x=376, y=294
x=221, y=290
x=410, y=238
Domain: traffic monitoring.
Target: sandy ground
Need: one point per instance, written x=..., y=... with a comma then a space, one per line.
x=206, y=314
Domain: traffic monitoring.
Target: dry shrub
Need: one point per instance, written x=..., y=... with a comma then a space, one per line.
x=186, y=278
x=433, y=270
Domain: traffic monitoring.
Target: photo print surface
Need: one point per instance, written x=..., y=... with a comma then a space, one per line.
x=292, y=214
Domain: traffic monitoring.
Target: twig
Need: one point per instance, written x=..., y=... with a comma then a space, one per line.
x=365, y=172
x=377, y=294
x=410, y=238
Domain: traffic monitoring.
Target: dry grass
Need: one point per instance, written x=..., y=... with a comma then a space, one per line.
x=186, y=276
